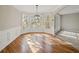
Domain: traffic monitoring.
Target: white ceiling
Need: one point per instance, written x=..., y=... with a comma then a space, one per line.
x=41, y=8
x=48, y=8
x=70, y=9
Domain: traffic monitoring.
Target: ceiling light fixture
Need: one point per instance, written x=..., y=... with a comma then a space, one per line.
x=36, y=16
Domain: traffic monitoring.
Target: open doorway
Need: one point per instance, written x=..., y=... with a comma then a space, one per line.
x=66, y=25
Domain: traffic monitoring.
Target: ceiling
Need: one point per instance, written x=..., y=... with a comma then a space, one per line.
x=69, y=9
x=41, y=8
x=48, y=8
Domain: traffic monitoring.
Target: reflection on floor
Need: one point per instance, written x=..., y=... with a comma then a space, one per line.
x=71, y=37
x=38, y=42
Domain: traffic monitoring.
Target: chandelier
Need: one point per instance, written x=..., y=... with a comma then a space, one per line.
x=36, y=18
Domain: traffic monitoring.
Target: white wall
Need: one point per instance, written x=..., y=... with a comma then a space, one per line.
x=70, y=22
x=9, y=17
x=10, y=25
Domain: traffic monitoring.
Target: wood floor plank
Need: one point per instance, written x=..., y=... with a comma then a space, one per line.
x=38, y=42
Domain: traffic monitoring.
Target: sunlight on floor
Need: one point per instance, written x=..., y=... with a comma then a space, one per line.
x=68, y=34
x=35, y=41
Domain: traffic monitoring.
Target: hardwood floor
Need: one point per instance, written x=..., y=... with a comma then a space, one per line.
x=39, y=42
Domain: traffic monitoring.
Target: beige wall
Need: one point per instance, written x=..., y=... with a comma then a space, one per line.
x=9, y=17
x=70, y=22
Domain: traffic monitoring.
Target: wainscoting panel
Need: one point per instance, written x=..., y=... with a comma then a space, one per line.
x=7, y=36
